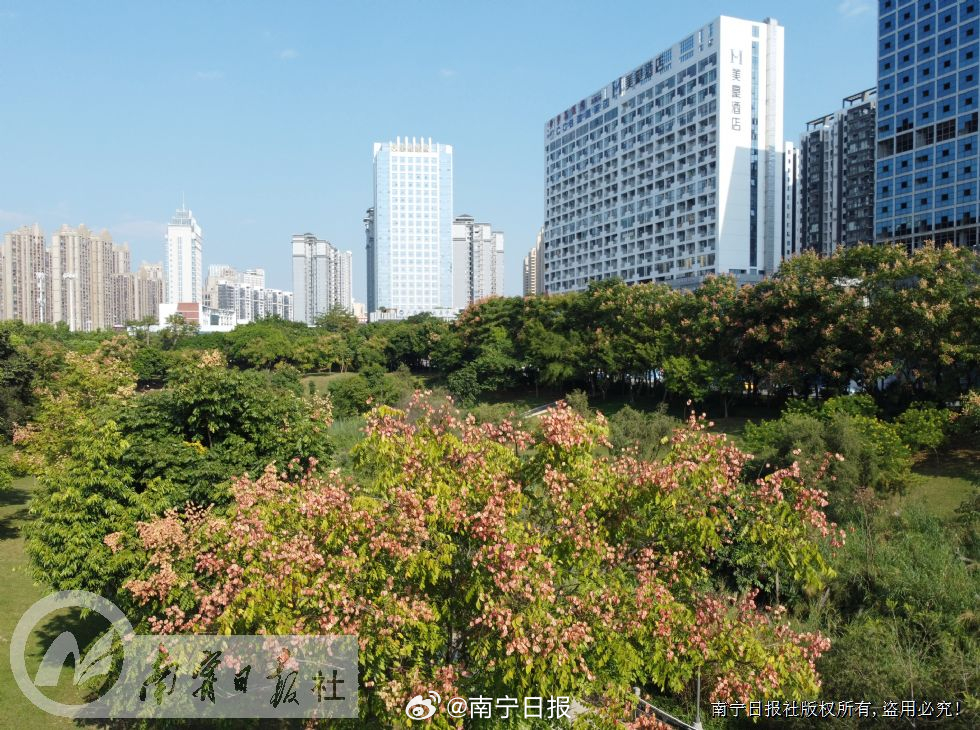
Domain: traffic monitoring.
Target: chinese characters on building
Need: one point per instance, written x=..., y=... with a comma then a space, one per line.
x=736, y=90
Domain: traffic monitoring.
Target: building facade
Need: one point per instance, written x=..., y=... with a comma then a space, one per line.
x=836, y=176
x=926, y=167
x=533, y=268
x=244, y=294
x=25, y=281
x=322, y=278
x=82, y=279
x=184, y=251
x=478, y=261
x=672, y=172
x=792, y=203
x=91, y=287
x=409, y=231
x=148, y=288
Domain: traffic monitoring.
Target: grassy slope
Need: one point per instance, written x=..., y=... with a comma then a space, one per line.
x=17, y=594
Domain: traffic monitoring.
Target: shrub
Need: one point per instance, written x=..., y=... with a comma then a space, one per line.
x=578, y=401
x=968, y=420
x=350, y=395
x=922, y=427
x=492, y=412
x=904, y=604
x=648, y=433
x=860, y=404
x=872, y=454
x=6, y=474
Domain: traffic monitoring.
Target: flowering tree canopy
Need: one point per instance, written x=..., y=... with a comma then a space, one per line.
x=482, y=559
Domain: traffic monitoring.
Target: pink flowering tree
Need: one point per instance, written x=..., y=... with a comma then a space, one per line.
x=484, y=560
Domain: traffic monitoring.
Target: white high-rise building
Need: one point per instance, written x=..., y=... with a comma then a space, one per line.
x=792, y=203
x=409, y=230
x=254, y=277
x=478, y=261
x=322, y=278
x=184, y=274
x=534, y=268
x=244, y=294
x=673, y=171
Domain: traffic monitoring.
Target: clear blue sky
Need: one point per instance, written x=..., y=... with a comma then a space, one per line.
x=264, y=114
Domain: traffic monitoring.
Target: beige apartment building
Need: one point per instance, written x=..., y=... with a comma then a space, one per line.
x=24, y=283
x=84, y=279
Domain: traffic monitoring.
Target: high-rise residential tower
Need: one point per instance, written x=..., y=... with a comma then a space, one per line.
x=672, y=171
x=792, y=204
x=533, y=268
x=148, y=286
x=927, y=169
x=836, y=169
x=184, y=244
x=409, y=233
x=91, y=288
x=478, y=261
x=25, y=280
x=321, y=278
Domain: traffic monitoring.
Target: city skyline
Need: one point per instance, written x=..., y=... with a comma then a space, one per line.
x=298, y=177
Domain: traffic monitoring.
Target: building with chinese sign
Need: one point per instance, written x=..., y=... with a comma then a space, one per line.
x=673, y=171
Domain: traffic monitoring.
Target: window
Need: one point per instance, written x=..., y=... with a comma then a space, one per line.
x=945, y=130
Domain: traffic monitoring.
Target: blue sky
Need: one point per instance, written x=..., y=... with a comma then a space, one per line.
x=264, y=114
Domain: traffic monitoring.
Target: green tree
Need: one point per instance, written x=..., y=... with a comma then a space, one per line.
x=106, y=457
x=337, y=320
x=481, y=559
x=73, y=447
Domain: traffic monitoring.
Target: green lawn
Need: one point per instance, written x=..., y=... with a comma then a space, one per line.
x=17, y=594
x=323, y=380
x=945, y=481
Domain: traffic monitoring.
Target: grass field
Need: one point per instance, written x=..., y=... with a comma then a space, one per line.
x=945, y=481
x=17, y=594
x=321, y=381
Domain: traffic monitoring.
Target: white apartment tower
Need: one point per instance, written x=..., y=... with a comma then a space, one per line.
x=321, y=278
x=792, y=202
x=184, y=242
x=478, y=261
x=673, y=171
x=409, y=230
x=533, y=267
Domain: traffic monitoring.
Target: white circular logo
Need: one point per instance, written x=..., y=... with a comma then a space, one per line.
x=422, y=708
x=95, y=663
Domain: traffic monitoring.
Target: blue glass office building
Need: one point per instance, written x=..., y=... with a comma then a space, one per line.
x=927, y=166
